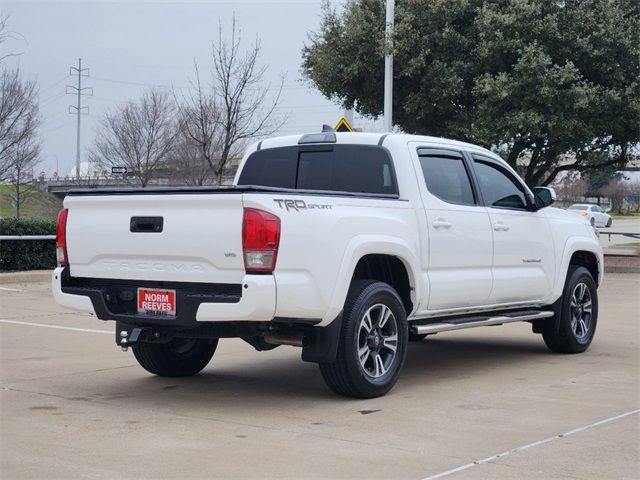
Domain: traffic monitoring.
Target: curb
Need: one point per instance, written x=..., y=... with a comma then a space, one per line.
x=621, y=263
x=30, y=276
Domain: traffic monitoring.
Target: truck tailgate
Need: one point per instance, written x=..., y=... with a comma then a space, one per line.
x=200, y=239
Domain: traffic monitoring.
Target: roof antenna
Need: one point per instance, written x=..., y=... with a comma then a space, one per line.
x=327, y=128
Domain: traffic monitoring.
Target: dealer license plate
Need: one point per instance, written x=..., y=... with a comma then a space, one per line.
x=152, y=301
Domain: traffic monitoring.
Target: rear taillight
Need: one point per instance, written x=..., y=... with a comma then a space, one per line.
x=260, y=240
x=61, y=238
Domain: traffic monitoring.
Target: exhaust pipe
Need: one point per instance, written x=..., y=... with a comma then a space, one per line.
x=294, y=339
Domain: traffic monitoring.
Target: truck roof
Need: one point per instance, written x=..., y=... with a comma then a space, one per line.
x=367, y=138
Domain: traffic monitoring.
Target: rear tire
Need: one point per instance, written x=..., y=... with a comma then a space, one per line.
x=180, y=357
x=372, y=344
x=578, y=314
x=593, y=222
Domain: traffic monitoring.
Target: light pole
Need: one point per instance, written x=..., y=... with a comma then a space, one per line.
x=388, y=67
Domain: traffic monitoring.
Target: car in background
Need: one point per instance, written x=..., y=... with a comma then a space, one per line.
x=593, y=213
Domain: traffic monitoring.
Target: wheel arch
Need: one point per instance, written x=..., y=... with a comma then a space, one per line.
x=583, y=252
x=388, y=259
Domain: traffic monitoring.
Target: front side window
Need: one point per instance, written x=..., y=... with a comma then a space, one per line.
x=446, y=177
x=499, y=188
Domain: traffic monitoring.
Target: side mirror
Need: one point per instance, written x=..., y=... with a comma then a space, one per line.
x=544, y=196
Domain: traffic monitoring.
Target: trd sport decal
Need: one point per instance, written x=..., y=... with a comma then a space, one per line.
x=298, y=205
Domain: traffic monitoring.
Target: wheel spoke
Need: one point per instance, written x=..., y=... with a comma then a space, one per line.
x=574, y=323
x=583, y=289
x=583, y=327
x=574, y=300
x=363, y=354
x=586, y=307
x=391, y=342
x=384, y=316
x=367, y=324
x=379, y=365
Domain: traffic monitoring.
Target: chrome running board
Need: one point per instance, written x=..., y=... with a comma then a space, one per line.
x=471, y=322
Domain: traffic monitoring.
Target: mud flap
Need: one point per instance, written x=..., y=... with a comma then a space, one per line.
x=321, y=343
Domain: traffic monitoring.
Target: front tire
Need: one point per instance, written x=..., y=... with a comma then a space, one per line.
x=372, y=345
x=180, y=357
x=609, y=222
x=578, y=314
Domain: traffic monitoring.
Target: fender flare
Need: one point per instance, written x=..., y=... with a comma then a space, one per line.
x=573, y=245
x=357, y=248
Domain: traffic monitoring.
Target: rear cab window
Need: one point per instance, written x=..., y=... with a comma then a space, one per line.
x=364, y=169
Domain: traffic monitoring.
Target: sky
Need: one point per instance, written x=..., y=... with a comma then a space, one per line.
x=131, y=45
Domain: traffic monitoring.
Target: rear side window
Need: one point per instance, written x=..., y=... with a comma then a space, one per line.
x=336, y=168
x=446, y=177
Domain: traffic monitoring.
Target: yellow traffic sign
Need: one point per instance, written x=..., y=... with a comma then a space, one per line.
x=343, y=126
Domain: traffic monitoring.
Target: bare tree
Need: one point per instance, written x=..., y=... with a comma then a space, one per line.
x=19, y=116
x=200, y=134
x=617, y=191
x=189, y=160
x=234, y=107
x=7, y=34
x=138, y=135
x=571, y=187
x=633, y=198
x=24, y=157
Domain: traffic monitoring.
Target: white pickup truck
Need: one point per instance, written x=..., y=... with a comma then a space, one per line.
x=347, y=245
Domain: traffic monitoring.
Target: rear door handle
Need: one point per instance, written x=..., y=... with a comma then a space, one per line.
x=500, y=227
x=441, y=223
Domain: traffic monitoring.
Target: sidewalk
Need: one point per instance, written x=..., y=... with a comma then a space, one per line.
x=30, y=276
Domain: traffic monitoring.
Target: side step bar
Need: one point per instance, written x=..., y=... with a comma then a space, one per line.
x=471, y=322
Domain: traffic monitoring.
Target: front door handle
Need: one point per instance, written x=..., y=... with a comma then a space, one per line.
x=500, y=227
x=441, y=223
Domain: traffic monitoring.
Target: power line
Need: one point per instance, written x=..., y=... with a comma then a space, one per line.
x=58, y=82
x=50, y=100
x=138, y=84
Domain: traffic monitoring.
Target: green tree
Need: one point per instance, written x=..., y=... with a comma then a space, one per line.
x=550, y=85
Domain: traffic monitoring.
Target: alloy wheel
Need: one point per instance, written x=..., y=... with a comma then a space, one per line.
x=581, y=312
x=377, y=340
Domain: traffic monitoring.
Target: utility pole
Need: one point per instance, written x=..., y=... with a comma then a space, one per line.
x=78, y=109
x=388, y=67
x=348, y=115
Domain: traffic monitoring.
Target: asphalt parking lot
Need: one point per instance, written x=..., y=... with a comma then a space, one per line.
x=74, y=406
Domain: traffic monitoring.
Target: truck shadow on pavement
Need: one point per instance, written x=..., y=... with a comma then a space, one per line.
x=287, y=378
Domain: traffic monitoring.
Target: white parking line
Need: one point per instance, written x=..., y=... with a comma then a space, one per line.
x=12, y=289
x=58, y=327
x=529, y=445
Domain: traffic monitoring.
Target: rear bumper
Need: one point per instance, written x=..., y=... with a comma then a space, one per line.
x=252, y=300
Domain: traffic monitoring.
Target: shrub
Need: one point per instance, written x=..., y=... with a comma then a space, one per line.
x=27, y=254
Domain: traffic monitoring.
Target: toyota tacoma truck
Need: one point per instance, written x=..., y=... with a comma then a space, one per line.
x=348, y=245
